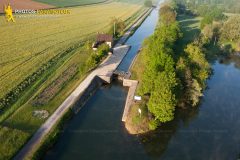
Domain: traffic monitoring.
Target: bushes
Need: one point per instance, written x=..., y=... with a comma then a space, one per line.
x=97, y=56
x=153, y=124
x=211, y=14
x=148, y=3
x=9, y=139
x=231, y=29
x=117, y=27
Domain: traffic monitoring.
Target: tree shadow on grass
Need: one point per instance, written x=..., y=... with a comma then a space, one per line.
x=190, y=29
x=28, y=128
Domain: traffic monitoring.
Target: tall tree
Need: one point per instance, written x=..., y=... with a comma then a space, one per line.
x=231, y=29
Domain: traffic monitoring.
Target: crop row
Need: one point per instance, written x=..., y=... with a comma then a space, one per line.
x=50, y=92
x=11, y=97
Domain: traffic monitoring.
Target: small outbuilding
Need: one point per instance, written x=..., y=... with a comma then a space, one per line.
x=103, y=38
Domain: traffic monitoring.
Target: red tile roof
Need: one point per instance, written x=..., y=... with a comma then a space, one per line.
x=104, y=38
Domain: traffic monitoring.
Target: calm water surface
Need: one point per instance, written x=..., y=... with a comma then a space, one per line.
x=211, y=131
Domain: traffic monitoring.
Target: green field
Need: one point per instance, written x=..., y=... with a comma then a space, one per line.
x=32, y=42
x=64, y=3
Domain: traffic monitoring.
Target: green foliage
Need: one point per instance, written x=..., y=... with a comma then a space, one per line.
x=148, y=3
x=197, y=56
x=193, y=70
x=209, y=15
x=206, y=20
x=102, y=50
x=153, y=124
x=97, y=56
x=167, y=15
x=232, y=6
x=9, y=139
x=231, y=29
x=117, y=27
x=162, y=101
x=159, y=78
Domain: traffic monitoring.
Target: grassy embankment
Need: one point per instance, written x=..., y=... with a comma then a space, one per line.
x=190, y=28
x=30, y=50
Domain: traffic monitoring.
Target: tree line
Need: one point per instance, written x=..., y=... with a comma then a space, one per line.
x=215, y=24
x=171, y=79
x=230, y=6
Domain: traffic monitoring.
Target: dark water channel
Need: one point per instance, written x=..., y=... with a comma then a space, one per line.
x=210, y=132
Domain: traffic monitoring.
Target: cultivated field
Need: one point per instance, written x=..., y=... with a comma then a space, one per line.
x=30, y=42
x=64, y=3
x=24, y=4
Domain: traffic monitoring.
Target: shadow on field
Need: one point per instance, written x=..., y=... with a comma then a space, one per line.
x=29, y=128
x=190, y=30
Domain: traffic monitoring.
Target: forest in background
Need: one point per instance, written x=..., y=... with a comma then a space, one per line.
x=230, y=6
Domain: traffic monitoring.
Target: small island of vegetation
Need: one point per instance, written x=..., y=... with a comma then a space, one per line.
x=175, y=62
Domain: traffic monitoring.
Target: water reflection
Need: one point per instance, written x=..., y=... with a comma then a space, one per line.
x=210, y=131
x=232, y=59
x=156, y=142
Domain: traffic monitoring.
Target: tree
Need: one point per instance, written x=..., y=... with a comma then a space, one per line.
x=194, y=92
x=196, y=56
x=162, y=101
x=206, y=20
x=117, y=26
x=207, y=31
x=97, y=56
x=167, y=15
x=231, y=29
x=148, y=3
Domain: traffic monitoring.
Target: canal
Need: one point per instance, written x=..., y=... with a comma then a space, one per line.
x=209, y=132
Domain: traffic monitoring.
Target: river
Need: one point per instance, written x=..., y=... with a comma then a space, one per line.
x=210, y=131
